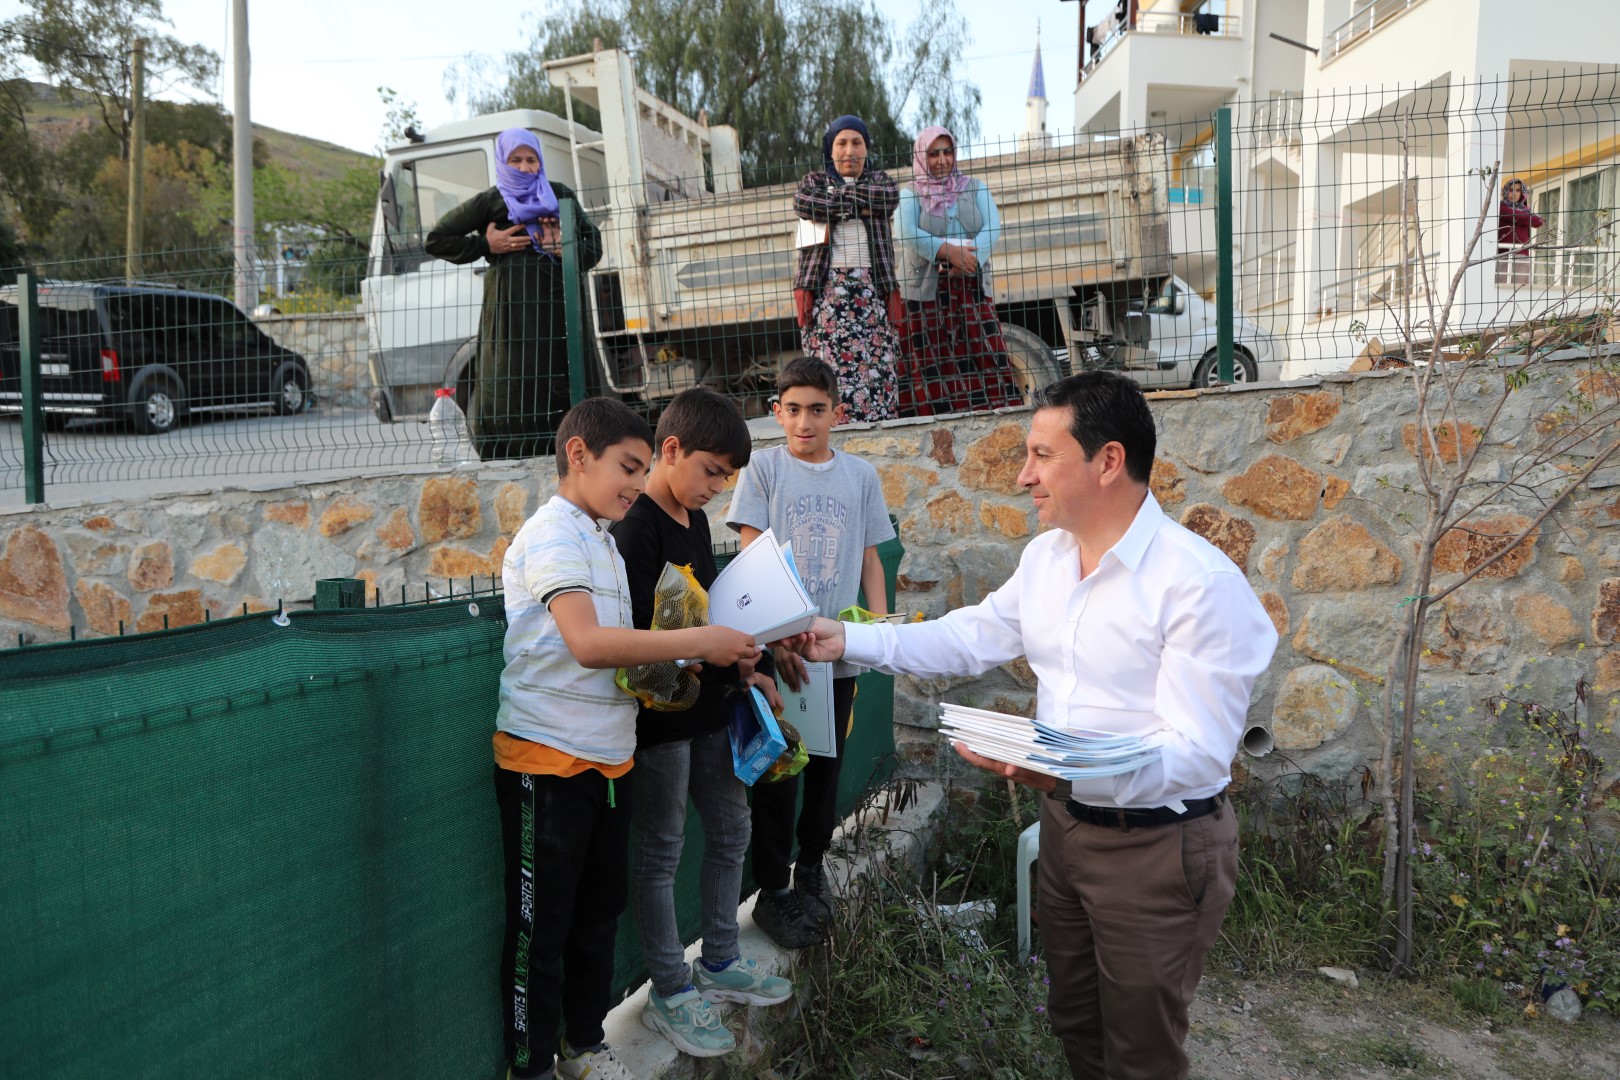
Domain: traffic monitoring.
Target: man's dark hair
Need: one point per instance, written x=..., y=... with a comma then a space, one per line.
x=704, y=420
x=602, y=422
x=1105, y=407
x=808, y=371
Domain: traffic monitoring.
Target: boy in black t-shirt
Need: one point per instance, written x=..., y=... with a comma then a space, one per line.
x=701, y=442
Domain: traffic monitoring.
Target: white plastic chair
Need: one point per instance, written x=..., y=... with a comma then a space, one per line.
x=1029, y=846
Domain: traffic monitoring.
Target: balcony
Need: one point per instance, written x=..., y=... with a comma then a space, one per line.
x=1362, y=25
x=1162, y=65
x=1169, y=23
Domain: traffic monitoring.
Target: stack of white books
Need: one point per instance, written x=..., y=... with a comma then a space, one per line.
x=1065, y=754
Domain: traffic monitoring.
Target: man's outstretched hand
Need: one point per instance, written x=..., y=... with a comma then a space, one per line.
x=823, y=642
x=1028, y=777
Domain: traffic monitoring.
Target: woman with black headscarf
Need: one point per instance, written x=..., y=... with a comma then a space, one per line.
x=522, y=387
x=847, y=298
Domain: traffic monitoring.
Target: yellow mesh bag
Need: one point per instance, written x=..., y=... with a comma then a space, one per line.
x=678, y=602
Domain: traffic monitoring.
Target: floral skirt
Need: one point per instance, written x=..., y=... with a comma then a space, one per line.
x=849, y=330
x=954, y=357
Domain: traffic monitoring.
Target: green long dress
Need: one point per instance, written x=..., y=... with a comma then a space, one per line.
x=520, y=388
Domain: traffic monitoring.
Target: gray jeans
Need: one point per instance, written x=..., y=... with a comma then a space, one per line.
x=665, y=774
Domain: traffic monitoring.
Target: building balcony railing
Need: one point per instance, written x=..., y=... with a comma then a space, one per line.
x=1377, y=286
x=1363, y=23
x=1278, y=120
x=1173, y=23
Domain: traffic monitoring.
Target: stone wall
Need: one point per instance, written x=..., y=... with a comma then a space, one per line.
x=1304, y=486
x=334, y=346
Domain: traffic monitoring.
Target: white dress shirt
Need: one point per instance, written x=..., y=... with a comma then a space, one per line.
x=1163, y=640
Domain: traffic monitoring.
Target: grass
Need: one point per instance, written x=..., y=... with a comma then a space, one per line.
x=901, y=990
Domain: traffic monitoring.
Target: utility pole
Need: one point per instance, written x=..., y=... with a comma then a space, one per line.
x=137, y=154
x=247, y=288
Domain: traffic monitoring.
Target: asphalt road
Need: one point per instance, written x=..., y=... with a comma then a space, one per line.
x=94, y=461
x=97, y=461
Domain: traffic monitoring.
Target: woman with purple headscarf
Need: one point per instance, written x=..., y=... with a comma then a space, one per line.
x=521, y=387
x=953, y=355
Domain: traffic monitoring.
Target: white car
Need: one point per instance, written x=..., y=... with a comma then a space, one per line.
x=1181, y=343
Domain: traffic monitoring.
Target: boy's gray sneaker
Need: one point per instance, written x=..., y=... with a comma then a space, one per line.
x=742, y=981
x=686, y=1020
x=784, y=919
x=810, y=882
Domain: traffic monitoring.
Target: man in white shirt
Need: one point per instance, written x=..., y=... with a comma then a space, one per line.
x=1133, y=625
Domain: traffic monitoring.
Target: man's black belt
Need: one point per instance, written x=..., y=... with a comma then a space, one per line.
x=1118, y=817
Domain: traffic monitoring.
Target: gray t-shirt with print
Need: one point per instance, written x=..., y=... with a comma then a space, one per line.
x=832, y=512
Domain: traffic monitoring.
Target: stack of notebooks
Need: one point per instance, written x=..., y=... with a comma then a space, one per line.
x=1067, y=755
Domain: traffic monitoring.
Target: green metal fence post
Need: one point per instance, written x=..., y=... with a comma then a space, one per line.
x=33, y=416
x=1225, y=293
x=339, y=592
x=573, y=302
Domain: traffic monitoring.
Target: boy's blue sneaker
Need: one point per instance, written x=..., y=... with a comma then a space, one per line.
x=686, y=1020
x=742, y=981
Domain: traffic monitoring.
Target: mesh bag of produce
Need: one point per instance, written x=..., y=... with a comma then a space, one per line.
x=678, y=602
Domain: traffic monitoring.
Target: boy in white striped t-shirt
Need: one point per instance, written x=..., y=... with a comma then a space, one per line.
x=564, y=742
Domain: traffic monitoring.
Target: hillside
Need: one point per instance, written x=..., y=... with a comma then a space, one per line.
x=52, y=119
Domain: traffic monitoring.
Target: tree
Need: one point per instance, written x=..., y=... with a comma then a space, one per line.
x=1472, y=391
x=85, y=45
x=778, y=72
x=329, y=221
x=399, y=117
x=926, y=84
x=12, y=254
x=19, y=158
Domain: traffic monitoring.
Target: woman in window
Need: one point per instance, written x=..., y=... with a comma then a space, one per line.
x=953, y=355
x=522, y=386
x=845, y=291
x=1513, y=224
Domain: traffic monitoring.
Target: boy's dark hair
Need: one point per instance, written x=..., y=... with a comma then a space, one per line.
x=808, y=371
x=602, y=422
x=1105, y=407
x=704, y=420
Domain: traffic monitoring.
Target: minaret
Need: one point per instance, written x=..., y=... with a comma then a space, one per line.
x=1035, y=135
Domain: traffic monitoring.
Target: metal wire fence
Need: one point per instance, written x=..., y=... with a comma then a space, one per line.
x=1349, y=215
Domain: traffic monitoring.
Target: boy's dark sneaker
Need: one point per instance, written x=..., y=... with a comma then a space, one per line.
x=810, y=882
x=785, y=921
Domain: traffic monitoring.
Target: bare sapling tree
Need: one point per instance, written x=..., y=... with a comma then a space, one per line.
x=1537, y=400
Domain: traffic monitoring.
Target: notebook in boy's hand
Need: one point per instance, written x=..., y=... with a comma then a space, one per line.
x=759, y=593
x=810, y=708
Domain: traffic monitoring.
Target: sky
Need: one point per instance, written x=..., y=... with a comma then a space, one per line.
x=316, y=64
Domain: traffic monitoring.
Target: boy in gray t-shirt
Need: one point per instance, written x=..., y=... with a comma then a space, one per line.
x=830, y=505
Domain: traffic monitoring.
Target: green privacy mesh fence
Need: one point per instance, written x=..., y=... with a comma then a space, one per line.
x=249, y=849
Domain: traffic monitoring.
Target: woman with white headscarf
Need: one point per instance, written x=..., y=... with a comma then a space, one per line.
x=521, y=390
x=953, y=355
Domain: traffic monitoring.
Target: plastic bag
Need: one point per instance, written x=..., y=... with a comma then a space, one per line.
x=678, y=602
x=790, y=761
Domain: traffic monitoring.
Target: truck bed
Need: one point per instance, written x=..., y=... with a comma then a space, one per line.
x=1071, y=217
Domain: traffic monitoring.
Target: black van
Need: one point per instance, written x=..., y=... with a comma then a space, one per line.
x=147, y=354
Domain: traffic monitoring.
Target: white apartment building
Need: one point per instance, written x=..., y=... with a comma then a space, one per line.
x=1325, y=94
